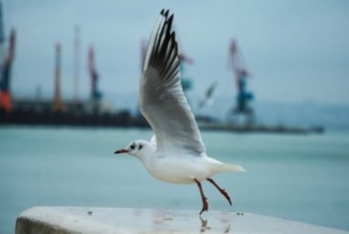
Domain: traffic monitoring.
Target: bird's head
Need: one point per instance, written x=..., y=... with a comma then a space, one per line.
x=137, y=148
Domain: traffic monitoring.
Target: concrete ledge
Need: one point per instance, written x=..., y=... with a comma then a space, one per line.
x=64, y=220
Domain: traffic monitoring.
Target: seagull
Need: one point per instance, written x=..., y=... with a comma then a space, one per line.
x=176, y=153
x=208, y=100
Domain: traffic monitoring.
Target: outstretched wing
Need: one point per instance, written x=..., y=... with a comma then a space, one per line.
x=162, y=100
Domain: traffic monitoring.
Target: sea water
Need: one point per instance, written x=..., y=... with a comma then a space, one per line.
x=296, y=177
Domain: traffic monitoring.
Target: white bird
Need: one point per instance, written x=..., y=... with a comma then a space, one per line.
x=208, y=99
x=176, y=154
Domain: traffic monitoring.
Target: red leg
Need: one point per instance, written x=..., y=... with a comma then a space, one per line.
x=204, y=199
x=223, y=192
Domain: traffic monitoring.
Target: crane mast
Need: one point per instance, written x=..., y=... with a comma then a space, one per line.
x=6, y=61
x=244, y=97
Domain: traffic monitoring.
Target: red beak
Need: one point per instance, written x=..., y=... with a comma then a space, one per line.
x=121, y=151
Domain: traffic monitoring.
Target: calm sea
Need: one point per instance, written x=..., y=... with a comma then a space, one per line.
x=303, y=178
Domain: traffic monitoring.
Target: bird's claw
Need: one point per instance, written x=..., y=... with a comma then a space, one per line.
x=204, y=205
x=226, y=195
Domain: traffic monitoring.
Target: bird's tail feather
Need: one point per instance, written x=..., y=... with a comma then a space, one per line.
x=232, y=167
x=217, y=166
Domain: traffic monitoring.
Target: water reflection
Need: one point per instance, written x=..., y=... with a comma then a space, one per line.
x=224, y=224
x=179, y=221
x=203, y=227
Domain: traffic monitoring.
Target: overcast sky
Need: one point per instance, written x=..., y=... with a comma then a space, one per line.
x=297, y=50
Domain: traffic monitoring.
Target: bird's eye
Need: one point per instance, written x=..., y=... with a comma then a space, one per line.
x=140, y=146
x=133, y=146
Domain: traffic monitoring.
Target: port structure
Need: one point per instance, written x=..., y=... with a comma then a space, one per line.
x=95, y=95
x=57, y=103
x=6, y=61
x=242, y=112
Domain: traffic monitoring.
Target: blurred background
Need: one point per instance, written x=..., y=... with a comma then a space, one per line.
x=267, y=81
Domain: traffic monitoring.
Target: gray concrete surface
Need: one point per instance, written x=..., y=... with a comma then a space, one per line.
x=63, y=220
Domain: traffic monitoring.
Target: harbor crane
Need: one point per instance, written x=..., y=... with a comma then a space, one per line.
x=242, y=107
x=94, y=77
x=6, y=61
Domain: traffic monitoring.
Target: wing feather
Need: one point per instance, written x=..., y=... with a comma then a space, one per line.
x=162, y=100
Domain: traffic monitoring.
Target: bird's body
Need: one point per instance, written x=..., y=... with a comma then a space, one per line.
x=180, y=168
x=176, y=154
x=171, y=169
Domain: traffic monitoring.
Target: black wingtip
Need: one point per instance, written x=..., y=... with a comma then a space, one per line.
x=169, y=24
x=170, y=19
x=164, y=13
x=173, y=35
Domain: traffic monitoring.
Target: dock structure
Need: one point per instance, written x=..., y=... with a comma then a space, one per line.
x=28, y=113
x=76, y=63
x=242, y=107
x=6, y=61
x=57, y=103
x=59, y=220
x=95, y=94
